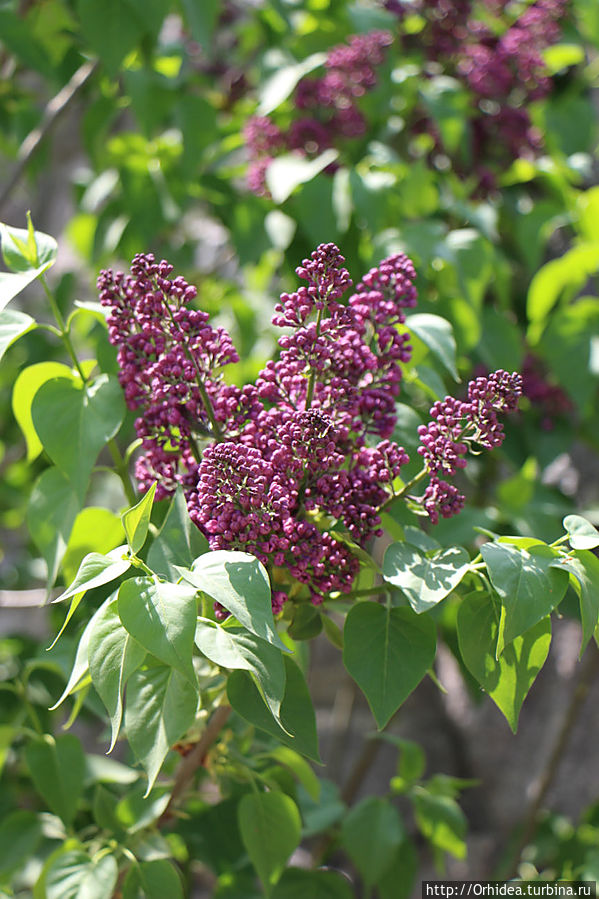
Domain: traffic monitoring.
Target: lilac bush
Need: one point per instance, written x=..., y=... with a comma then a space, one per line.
x=263, y=466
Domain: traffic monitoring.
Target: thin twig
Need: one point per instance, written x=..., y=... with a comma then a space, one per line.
x=56, y=106
x=587, y=674
x=196, y=758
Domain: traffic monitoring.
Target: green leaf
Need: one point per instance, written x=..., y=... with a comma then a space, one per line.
x=508, y=679
x=299, y=767
x=162, y=617
x=280, y=85
x=437, y=334
x=99, y=769
x=398, y=881
x=441, y=820
x=236, y=648
x=57, y=768
x=239, y=582
x=371, y=834
x=306, y=622
x=581, y=533
x=527, y=584
x=81, y=663
x=137, y=810
x=425, y=579
x=12, y=284
x=74, y=875
x=110, y=29
x=583, y=568
x=95, y=530
x=113, y=657
x=154, y=879
x=201, y=19
x=136, y=520
x=287, y=172
x=26, y=386
x=270, y=827
x=51, y=513
x=387, y=652
x=297, y=883
x=161, y=706
x=74, y=422
x=297, y=711
x=12, y=326
x=24, y=250
x=179, y=541
x=569, y=271
x=20, y=834
x=95, y=570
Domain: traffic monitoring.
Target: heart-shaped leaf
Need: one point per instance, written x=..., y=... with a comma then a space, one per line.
x=12, y=326
x=74, y=422
x=527, y=583
x=57, y=768
x=507, y=679
x=387, y=652
x=270, y=827
x=424, y=579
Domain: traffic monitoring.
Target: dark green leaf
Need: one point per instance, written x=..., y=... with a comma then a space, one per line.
x=161, y=706
x=162, y=617
x=57, y=768
x=239, y=582
x=306, y=623
x=508, y=679
x=528, y=586
x=398, y=881
x=270, y=827
x=20, y=834
x=113, y=657
x=371, y=835
x=154, y=880
x=297, y=883
x=110, y=29
x=387, y=652
x=201, y=19
x=74, y=422
x=425, y=579
x=236, y=648
x=297, y=711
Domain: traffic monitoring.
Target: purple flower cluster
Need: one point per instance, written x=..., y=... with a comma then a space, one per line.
x=169, y=359
x=455, y=427
x=297, y=467
x=264, y=466
x=326, y=111
x=500, y=60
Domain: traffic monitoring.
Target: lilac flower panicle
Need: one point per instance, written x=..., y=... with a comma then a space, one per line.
x=455, y=427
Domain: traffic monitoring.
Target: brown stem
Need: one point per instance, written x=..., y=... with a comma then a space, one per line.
x=587, y=673
x=56, y=106
x=195, y=759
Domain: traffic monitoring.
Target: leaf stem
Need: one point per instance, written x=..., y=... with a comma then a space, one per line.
x=406, y=487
